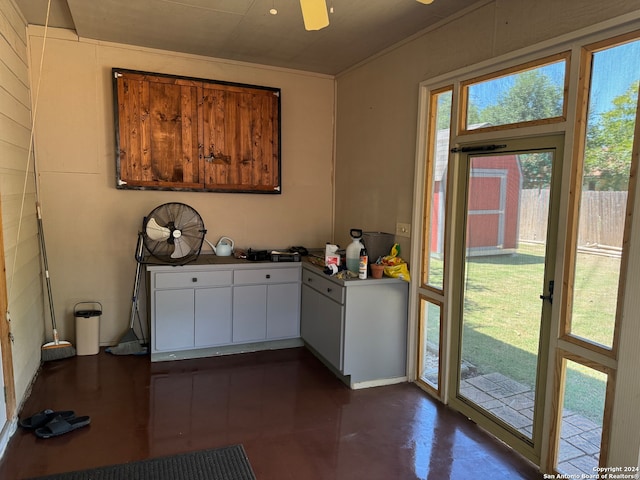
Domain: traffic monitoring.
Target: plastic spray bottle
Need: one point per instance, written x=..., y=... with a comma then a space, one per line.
x=363, y=265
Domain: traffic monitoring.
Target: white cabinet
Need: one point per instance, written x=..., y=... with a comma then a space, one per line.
x=322, y=325
x=174, y=324
x=207, y=307
x=357, y=327
x=249, y=313
x=266, y=304
x=212, y=316
x=283, y=310
x=190, y=309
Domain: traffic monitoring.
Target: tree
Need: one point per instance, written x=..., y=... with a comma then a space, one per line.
x=610, y=134
x=607, y=159
x=533, y=96
x=536, y=170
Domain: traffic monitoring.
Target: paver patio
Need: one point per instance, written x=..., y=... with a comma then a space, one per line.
x=513, y=403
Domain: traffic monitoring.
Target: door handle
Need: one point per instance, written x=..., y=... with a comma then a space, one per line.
x=550, y=296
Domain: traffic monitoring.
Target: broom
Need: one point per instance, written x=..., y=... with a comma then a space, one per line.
x=58, y=349
x=130, y=344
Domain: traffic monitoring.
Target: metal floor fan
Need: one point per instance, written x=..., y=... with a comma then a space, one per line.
x=172, y=233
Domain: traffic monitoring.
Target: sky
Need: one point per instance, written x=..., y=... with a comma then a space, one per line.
x=614, y=70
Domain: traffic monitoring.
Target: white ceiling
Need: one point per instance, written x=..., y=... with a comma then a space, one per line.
x=244, y=30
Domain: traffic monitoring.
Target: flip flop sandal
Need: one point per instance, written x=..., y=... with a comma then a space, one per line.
x=42, y=418
x=60, y=426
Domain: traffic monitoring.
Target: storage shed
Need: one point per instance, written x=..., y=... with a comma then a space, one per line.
x=494, y=202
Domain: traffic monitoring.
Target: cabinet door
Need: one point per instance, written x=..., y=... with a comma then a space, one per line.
x=321, y=325
x=174, y=327
x=157, y=121
x=241, y=138
x=249, y=313
x=196, y=134
x=212, y=316
x=283, y=311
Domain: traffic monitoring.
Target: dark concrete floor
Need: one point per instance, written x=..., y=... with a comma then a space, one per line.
x=294, y=418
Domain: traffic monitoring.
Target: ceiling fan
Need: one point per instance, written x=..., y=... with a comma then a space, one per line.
x=315, y=16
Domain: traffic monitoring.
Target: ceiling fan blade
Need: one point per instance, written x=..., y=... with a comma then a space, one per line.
x=155, y=231
x=182, y=248
x=314, y=14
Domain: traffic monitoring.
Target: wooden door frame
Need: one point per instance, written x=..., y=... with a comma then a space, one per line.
x=5, y=336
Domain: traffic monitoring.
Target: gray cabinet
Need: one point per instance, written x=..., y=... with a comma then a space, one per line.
x=322, y=321
x=266, y=304
x=200, y=310
x=190, y=308
x=249, y=313
x=357, y=327
x=283, y=310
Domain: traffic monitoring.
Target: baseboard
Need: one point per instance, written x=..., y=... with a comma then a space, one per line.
x=7, y=432
x=226, y=350
x=378, y=382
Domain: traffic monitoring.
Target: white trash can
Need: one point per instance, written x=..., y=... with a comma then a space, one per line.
x=87, y=327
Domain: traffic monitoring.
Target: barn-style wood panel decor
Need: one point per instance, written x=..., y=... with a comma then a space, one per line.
x=179, y=133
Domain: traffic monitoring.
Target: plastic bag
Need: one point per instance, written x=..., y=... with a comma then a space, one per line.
x=394, y=266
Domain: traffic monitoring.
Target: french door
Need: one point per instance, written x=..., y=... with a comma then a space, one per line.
x=505, y=223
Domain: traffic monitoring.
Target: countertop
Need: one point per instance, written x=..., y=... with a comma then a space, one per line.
x=307, y=262
x=212, y=259
x=319, y=269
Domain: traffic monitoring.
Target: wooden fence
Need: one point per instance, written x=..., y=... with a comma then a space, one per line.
x=602, y=216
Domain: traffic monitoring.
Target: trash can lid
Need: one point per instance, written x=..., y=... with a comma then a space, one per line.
x=88, y=313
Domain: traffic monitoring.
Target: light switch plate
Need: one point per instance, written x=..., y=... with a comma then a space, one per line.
x=403, y=230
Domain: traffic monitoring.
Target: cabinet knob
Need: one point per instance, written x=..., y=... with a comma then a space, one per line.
x=329, y=290
x=194, y=279
x=268, y=276
x=309, y=279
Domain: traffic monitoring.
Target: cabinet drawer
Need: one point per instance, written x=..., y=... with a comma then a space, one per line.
x=193, y=279
x=323, y=285
x=265, y=276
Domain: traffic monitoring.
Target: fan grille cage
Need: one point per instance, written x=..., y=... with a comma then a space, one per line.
x=178, y=236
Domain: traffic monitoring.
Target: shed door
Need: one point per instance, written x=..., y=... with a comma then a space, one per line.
x=486, y=212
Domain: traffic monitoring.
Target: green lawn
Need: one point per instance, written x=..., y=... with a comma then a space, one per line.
x=502, y=318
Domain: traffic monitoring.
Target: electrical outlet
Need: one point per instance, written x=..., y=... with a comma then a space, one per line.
x=403, y=229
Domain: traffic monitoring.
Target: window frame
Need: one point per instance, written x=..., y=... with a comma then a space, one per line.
x=521, y=68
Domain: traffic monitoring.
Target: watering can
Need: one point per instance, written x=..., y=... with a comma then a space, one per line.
x=224, y=247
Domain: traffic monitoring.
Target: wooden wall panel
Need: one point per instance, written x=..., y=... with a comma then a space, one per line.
x=182, y=133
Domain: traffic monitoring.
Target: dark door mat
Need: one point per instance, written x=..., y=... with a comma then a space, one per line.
x=227, y=463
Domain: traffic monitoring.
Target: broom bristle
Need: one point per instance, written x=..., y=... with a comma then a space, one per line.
x=129, y=345
x=128, y=348
x=57, y=351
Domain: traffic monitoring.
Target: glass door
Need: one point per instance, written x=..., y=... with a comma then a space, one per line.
x=504, y=259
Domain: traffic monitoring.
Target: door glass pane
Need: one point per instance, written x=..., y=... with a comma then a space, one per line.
x=429, y=366
x=507, y=214
x=437, y=177
x=582, y=417
x=533, y=93
x=607, y=162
